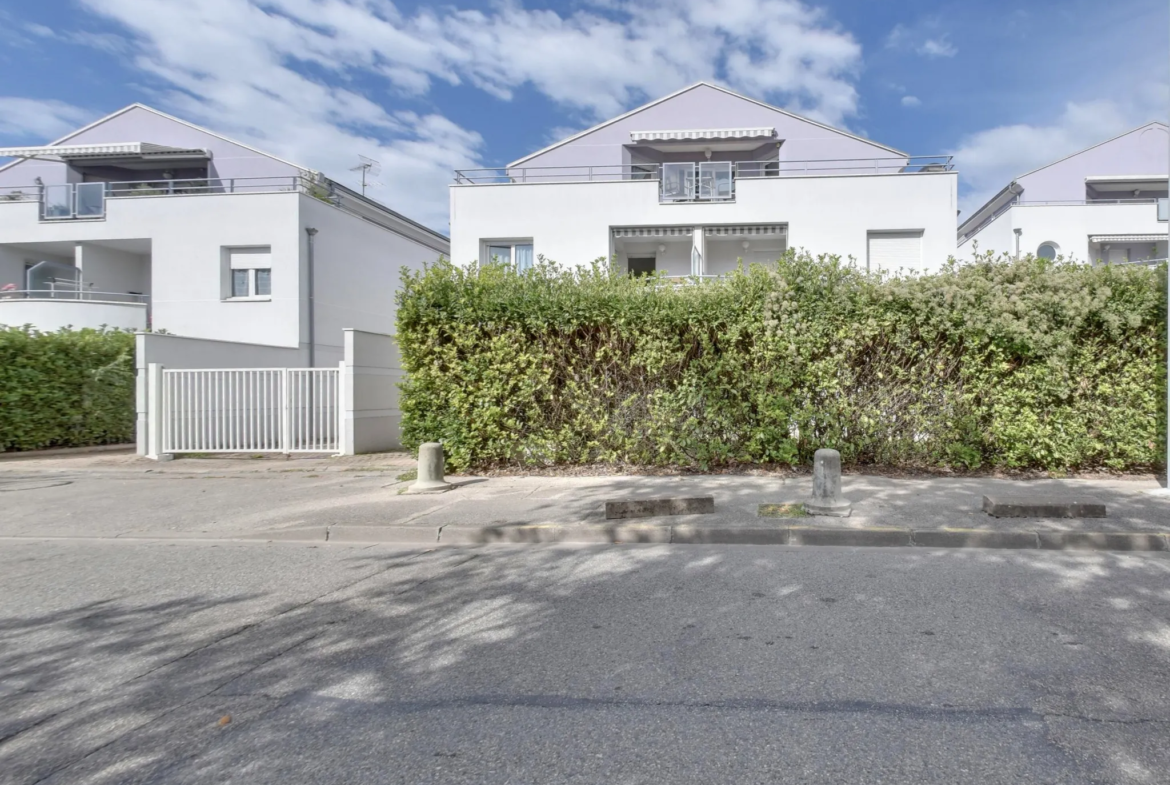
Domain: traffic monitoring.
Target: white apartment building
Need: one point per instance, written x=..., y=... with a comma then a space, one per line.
x=142, y=219
x=1104, y=204
x=695, y=182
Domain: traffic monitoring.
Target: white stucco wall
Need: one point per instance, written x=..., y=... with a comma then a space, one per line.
x=110, y=270
x=357, y=271
x=1069, y=226
x=570, y=222
x=53, y=315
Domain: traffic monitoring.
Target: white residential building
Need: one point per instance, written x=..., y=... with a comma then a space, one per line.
x=694, y=182
x=144, y=219
x=1104, y=204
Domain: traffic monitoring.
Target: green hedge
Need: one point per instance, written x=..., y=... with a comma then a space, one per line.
x=65, y=389
x=988, y=364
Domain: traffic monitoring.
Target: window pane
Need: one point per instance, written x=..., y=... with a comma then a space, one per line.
x=239, y=283
x=501, y=253
x=523, y=257
x=264, y=282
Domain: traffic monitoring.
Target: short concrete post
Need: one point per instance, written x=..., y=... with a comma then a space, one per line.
x=826, y=496
x=430, y=470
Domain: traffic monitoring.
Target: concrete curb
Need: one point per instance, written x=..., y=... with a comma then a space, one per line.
x=695, y=534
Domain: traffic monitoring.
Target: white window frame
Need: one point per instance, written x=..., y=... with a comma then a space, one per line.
x=229, y=294
x=511, y=243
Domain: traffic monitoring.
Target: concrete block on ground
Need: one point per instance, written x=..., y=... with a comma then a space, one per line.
x=974, y=538
x=407, y=535
x=1103, y=541
x=431, y=469
x=649, y=508
x=809, y=535
x=701, y=534
x=826, y=497
x=1069, y=505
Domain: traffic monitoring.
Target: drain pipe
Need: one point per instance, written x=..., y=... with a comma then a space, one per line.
x=312, y=233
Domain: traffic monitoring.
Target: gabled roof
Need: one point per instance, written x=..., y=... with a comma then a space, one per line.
x=1009, y=188
x=172, y=118
x=677, y=93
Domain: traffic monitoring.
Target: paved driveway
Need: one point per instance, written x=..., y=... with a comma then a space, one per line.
x=119, y=660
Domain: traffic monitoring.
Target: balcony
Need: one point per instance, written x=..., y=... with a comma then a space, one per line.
x=52, y=309
x=88, y=201
x=704, y=181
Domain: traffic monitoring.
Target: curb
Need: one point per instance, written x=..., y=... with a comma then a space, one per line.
x=701, y=534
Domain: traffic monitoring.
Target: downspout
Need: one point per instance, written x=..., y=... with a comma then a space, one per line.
x=312, y=233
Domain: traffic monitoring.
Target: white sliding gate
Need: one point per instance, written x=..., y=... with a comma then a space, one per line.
x=282, y=410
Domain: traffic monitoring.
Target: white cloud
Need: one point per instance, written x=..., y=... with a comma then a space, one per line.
x=241, y=66
x=923, y=38
x=911, y=100
x=33, y=119
x=937, y=47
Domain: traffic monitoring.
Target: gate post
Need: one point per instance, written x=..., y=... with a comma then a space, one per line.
x=344, y=411
x=154, y=413
x=285, y=412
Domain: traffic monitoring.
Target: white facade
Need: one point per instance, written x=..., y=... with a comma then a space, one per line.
x=699, y=200
x=1106, y=204
x=222, y=258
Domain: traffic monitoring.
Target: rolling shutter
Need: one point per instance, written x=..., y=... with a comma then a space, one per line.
x=891, y=250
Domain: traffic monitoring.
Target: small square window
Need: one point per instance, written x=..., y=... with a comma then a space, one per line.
x=240, y=283
x=264, y=283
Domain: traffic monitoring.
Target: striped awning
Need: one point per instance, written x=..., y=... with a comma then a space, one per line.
x=702, y=134
x=109, y=150
x=774, y=230
x=1127, y=238
x=654, y=231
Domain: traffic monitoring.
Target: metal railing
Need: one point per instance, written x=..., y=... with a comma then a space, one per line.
x=743, y=169
x=86, y=295
x=251, y=410
x=73, y=201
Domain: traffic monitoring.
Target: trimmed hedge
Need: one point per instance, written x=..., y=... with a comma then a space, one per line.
x=986, y=364
x=65, y=389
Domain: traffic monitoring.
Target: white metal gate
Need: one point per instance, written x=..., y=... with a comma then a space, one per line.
x=251, y=410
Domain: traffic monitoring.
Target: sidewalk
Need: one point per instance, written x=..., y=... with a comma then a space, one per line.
x=360, y=499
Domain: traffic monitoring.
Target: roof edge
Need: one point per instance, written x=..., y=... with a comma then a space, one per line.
x=687, y=89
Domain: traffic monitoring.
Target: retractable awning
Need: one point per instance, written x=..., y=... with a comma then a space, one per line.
x=703, y=134
x=1127, y=238
x=774, y=230
x=74, y=152
x=655, y=231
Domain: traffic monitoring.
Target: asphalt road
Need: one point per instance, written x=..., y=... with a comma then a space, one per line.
x=121, y=662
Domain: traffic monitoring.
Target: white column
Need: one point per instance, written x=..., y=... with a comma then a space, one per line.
x=154, y=413
x=698, y=252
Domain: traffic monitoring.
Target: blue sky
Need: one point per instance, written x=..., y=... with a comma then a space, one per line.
x=425, y=88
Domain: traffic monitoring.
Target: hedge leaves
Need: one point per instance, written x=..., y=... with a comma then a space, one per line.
x=992, y=364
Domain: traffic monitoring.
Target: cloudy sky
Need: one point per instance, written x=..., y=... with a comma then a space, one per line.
x=427, y=87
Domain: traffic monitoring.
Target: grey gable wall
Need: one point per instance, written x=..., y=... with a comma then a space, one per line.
x=1142, y=151
x=142, y=125
x=706, y=107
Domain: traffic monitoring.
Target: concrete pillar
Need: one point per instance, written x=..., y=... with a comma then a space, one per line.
x=826, y=496
x=430, y=470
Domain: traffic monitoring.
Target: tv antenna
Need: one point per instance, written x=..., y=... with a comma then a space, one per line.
x=368, y=167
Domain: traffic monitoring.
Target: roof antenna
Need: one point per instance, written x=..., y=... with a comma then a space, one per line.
x=367, y=166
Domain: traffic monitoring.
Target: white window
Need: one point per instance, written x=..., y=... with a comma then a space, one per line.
x=1048, y=251
x=249, y=272
x=517, y=252
x=892, y=250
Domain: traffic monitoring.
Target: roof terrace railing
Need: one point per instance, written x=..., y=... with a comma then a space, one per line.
x=742, y=169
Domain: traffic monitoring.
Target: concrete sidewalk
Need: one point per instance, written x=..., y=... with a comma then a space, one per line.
x=360, y=500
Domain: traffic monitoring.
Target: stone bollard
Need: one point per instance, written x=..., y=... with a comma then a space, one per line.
x=826, y=496
x=430, y=470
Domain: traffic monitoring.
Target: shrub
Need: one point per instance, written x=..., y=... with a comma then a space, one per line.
x=65, y=389
x=992, y=363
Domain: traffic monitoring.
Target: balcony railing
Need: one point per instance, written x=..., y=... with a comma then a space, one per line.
x=73, y=294
x=702, y=181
